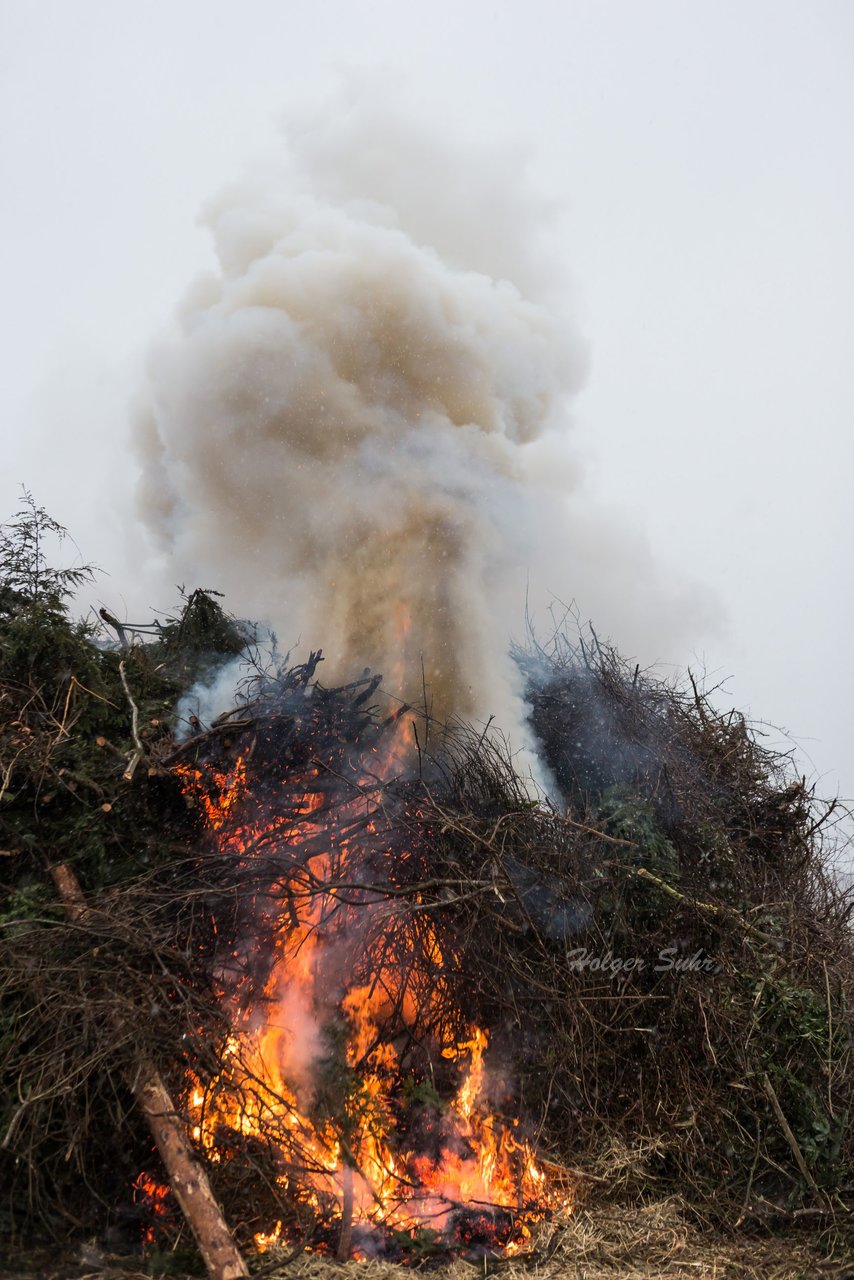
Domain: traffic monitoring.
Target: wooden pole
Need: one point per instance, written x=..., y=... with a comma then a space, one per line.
x=187, y=1175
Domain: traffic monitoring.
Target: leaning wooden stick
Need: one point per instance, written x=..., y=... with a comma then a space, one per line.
x=187, y=1176
x=789, y=1136
x=345, y=1240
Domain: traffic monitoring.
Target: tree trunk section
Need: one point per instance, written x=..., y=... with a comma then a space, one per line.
x=187, y=1177
x=345, y=1239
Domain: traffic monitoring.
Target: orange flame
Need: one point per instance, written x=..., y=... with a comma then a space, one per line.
x=334, y=1120
x=153, y=1196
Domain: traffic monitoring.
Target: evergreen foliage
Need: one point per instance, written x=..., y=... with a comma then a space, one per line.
x=65, y=747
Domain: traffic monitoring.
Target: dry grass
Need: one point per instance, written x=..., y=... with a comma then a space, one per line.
x=603, y=1241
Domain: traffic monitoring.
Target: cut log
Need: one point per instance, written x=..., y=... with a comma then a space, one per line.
x=345, y=1239
x=187, y=1176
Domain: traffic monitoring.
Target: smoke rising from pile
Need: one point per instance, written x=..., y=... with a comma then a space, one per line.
x=339, y=434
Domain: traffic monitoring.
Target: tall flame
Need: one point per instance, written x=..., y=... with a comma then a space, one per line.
x=318, y=1066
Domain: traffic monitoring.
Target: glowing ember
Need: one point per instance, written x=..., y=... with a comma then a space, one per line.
x=153, y=1197
x=341, y=1048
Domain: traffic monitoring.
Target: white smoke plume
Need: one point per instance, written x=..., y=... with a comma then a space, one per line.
x=337, y=434
x=358, y=429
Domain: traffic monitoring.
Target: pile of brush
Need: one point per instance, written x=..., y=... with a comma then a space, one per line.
x=676, y=961
x=661, y=954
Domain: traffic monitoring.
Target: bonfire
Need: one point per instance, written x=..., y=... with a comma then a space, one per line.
x=322, y=976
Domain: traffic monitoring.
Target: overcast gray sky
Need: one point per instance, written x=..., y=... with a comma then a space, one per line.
x=702, y=157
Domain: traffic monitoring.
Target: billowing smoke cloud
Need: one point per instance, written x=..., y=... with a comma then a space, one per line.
x=339, y=434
